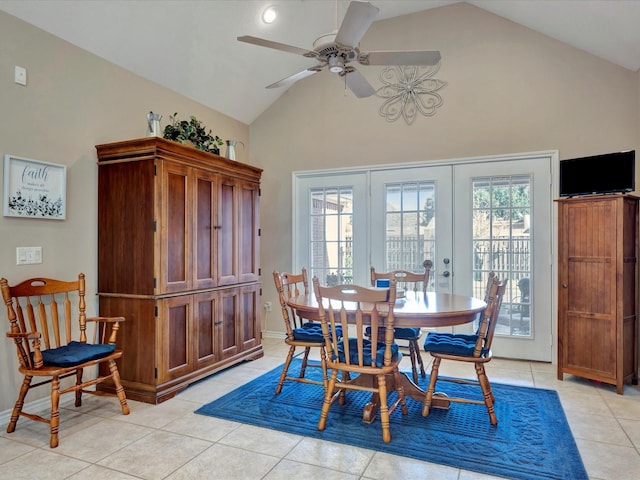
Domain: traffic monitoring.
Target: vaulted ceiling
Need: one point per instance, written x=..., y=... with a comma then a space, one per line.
x=190, y=46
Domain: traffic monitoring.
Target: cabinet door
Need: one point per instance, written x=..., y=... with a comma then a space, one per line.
x=207, y=313
x=249, y=231
x=249, y=320
x=227, y=326
x=175, y=352
x=227, y=254
x=588, y=287
x=205, y=200
x=238, y=231
x=175, y=228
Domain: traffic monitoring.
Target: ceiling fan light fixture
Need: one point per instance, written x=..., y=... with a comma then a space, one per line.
x=335, y=64
x=269, y=14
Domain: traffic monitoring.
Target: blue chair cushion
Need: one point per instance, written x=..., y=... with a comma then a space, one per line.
x=75, y=353
x=312, y=332
x=406, y=333
x=451, y=343
x=402, y=333
x=309, y=334
x=353, y=352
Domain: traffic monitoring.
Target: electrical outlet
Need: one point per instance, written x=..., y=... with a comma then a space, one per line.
x=267, y=306
x=20, y=75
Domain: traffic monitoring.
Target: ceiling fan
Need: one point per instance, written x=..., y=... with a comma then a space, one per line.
x=338, y=49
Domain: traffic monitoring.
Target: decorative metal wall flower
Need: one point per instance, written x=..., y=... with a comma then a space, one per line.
x=409, y=90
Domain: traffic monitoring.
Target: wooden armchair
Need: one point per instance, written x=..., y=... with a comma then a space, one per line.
x=42, y=327
x=300, y=333
x=371, y=358
x=469, y=348
x=409, y=281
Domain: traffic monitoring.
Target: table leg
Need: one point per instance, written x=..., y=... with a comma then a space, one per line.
x=414, y=391
x=411, y=390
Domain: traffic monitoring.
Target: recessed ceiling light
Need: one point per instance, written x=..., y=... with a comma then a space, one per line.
x=269, y=15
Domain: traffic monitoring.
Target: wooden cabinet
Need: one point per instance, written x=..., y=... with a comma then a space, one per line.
x=598, y=288
x=178, y=256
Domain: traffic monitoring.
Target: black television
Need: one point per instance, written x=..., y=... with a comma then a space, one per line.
x=598, y=174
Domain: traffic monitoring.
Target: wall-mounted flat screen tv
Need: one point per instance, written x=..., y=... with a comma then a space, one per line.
x=598, y=174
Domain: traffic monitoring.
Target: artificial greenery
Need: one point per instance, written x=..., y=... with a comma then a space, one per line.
x=192, y=131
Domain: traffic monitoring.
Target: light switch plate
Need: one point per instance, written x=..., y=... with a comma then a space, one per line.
x=28, y=255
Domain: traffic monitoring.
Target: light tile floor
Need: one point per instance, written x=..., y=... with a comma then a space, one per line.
x=169, y=441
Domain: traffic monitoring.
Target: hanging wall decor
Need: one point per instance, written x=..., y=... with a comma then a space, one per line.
x=34, y=189
x=409, y=90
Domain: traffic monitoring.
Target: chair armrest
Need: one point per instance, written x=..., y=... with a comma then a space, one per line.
x=26, y=336
x=115, y=321
x=26, y=360
x=106, y=319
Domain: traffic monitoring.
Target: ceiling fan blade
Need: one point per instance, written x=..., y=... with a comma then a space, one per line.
x=400, y=58
x=277, y=45
x=358, y=84
x=356, y=22
x=294, y=78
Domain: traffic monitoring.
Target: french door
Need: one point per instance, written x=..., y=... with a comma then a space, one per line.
x=469, y=217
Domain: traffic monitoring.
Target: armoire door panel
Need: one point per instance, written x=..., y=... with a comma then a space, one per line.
x=250, y=315
x=176, y=229
x=249, y=252
x=205, y=230
x=591, y=333
x=176, y=336
x=207, y=312
x=228, y=233
x=228, y=325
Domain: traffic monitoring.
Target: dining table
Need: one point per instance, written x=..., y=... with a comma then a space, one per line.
x=413, y=309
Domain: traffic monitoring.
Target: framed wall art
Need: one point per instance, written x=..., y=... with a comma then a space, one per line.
x=34, y=189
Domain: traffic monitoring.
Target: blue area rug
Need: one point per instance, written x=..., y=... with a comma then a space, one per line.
x=531, y=441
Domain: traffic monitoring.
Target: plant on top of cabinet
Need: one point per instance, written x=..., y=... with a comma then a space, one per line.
x=192, y=132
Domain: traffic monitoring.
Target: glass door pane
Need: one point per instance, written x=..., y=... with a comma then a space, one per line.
x=331, y=245
x=502, y=243
x=409, y=226
x=330, y=227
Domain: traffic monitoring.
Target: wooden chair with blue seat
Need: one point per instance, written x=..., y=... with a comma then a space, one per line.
x=300, y=332
x=352, y=308
x=44, y=318
x=469, y=348
x=408, y=281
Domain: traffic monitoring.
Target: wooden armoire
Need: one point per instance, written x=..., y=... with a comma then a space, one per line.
x=178, y=257
x=598, y=288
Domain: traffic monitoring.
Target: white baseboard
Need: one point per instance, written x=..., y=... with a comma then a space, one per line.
x=40, y=405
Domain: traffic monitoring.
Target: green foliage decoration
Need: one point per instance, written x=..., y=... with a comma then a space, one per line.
x=192, y=132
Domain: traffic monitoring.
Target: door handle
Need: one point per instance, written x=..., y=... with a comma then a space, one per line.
x=446, y=273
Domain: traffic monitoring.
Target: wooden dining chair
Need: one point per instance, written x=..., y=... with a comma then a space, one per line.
x=371, y=358
x=408, y=281
x=301, y=333
x=469, y=348
x=44, y=322
x=487, y=290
